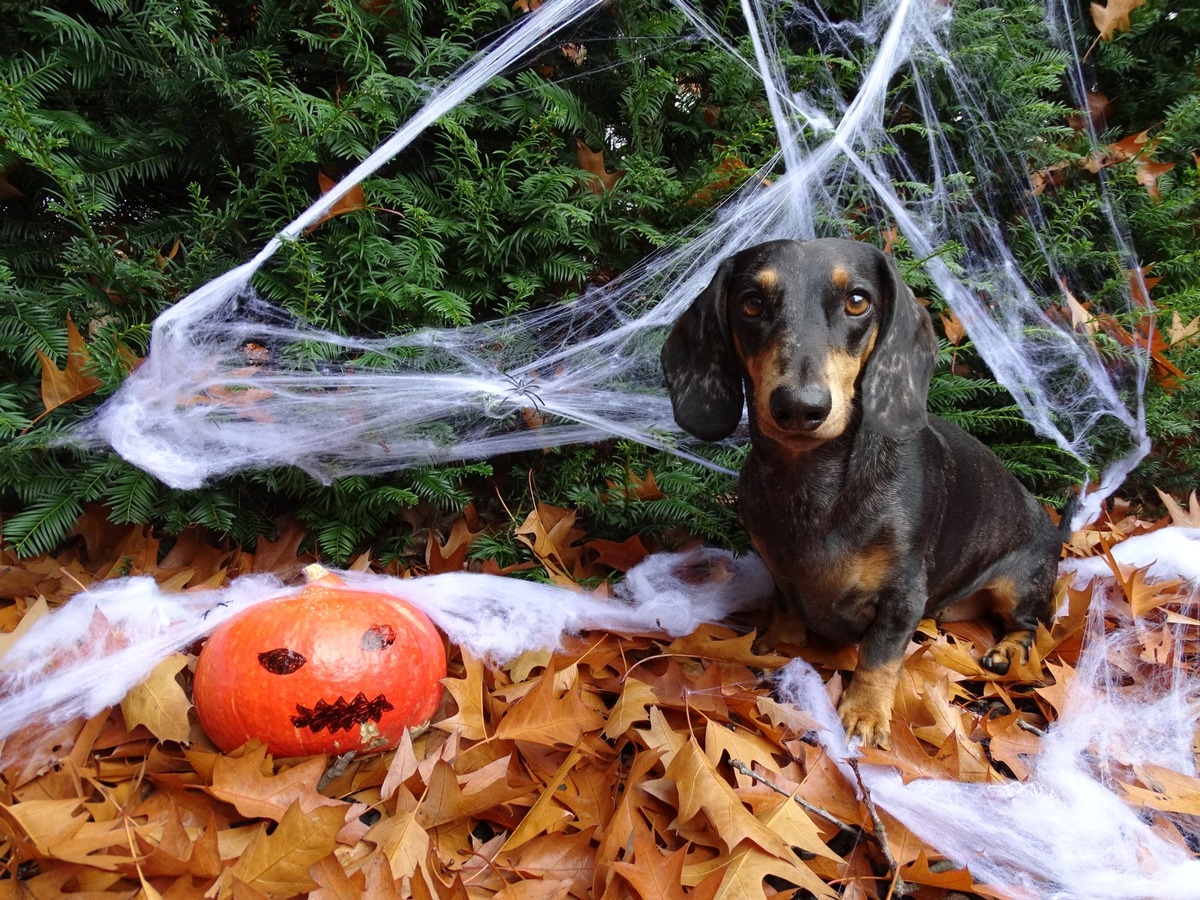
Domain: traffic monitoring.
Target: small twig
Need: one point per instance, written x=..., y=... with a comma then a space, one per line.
x=339, y=766
x=1032, y=729
x=804, y=804
x=900, y=887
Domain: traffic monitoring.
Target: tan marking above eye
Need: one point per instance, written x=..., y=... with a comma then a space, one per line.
x=840, y=278
x=857, y=303
x=767, y=279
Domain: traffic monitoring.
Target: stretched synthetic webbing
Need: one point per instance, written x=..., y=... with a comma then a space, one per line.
x=196, y=409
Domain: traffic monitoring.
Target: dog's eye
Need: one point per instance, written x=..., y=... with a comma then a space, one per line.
x=752, y=306
x=857, y=304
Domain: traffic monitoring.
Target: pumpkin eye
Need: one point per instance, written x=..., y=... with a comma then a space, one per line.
x=857, y=304
x=378, y=637
x=282, y=661
x=752, y=306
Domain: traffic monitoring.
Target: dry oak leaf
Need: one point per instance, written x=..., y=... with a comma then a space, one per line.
x=703, y=790
x=561, y=855
x=160, y=703
x=246, y=783
x=277, y=863
x=745, y=868
x=1166, y=790
x=1113, y=16
x=63, y=830
x=592, y=162
x=1189, y=518
x=66, y=385
x=632, y=706
x=547, y=815
x=403, y=840
x=468, y=694
x=354, y=199
x=1178, y=332
x=550, y=532
x=654, y=874
x=445, y=800
x=543, y=716
x=173, y=852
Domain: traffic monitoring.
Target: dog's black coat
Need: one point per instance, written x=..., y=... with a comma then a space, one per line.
x=869, y=513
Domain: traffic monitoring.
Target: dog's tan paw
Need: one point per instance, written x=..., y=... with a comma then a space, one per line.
x=868, y=725
x=866, y=706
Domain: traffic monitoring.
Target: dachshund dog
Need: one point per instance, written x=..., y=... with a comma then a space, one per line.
x=869, y=513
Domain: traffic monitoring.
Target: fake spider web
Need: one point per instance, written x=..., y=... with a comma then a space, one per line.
x=198, y=409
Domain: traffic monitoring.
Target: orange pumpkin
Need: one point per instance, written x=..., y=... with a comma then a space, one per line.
x=327, y=671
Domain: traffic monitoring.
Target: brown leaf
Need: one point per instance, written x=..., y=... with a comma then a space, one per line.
x=470, y=721
x=160, y=702
x=620, y=557
x=1178, y=332
x=1189, y=518
x=953, y=327
x=550, y=532
x=592, y=161
x=353, y=200
x=277, y=863
x=653, y=873
x=703, y=791
x=545, y=716
x=68, y=384
x=246, y=783
x=1113, y=16
x=402, y=840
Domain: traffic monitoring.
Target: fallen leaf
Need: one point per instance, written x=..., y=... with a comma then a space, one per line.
x=247, y=783
x=68, y=384
x=353, y=200
x=592, y=161
x=1113, y=16
x=160, y=702
x=277, y=862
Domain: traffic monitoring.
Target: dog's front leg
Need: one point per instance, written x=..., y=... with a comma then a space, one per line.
x=867, y=703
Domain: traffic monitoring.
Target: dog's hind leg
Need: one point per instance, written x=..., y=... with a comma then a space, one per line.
x=1020, y=604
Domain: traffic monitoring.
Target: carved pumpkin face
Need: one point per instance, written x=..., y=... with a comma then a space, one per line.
x=327, y=671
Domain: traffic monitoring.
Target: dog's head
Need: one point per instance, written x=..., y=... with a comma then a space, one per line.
x=805, y=329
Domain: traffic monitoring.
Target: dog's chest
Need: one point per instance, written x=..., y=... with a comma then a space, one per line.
x=829, y=556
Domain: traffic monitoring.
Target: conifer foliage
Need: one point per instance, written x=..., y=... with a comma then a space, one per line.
x=146, y=147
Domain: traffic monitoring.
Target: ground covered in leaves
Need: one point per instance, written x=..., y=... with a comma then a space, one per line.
x=620, y=766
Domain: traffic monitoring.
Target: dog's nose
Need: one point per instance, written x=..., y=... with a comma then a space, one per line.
x=801, y=409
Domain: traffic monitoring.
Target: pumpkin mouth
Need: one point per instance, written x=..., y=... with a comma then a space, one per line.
x=340, y=715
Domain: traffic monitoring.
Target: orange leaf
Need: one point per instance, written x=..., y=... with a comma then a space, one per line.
x=241, y=781
x=1113, y=16
x=352, y=201
x=592, y=161
x=623, y=556
x=546, y=717
x=66, y=385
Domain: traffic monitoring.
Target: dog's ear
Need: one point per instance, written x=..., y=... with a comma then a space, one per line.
x=698, y=360
x=895, y=385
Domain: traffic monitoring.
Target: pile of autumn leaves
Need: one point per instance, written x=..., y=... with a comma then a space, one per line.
x=619, y=767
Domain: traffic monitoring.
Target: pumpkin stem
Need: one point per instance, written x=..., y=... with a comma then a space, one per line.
x=314, y=572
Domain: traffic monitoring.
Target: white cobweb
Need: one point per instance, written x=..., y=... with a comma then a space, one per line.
x=197, y=409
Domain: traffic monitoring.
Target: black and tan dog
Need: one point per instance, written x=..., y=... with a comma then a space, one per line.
x=869, y=513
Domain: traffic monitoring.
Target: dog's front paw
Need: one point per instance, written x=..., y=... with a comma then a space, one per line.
x=871, y=726
x=866, y=706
